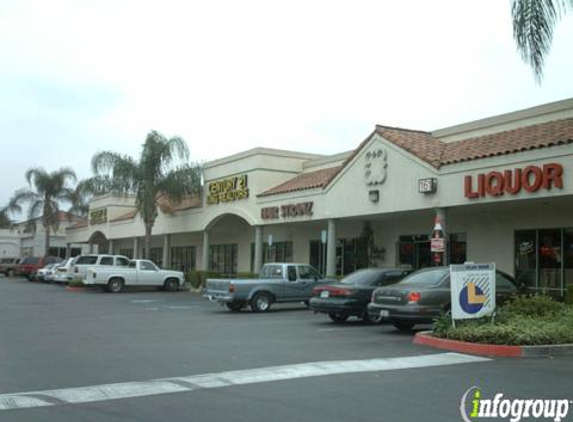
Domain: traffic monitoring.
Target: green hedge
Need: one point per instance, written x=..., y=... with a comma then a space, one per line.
x=532, y=320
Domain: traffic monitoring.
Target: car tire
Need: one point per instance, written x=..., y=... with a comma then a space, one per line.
x=338, y=317
x=261, y=302
x=370, y=320
x=115, y=285
x=171, y=285
x=403, y=325
x=234, y=306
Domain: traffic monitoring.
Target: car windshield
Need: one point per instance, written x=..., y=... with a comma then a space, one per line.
x=362, y=277
x=426, y=277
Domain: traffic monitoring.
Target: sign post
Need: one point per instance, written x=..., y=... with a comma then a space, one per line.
x=472, y=290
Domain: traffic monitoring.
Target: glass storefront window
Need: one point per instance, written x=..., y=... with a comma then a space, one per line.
x=128, y=252
x=568, y=256
x=415, y=252
x=223, y=259
x=183, y=258
x=526, y=258
x=550, y=259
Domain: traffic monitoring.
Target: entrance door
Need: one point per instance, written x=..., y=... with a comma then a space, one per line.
x=550, y=262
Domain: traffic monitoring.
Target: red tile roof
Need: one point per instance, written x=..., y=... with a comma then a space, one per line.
x=127, y=216
x=304, y=181
x=438, y=153
x=169, y=207
x=542, y=135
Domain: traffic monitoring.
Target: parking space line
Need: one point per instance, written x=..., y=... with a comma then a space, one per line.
x=225, y=379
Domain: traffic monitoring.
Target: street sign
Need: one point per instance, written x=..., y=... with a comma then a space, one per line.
x=472, y=290
x=437, y=244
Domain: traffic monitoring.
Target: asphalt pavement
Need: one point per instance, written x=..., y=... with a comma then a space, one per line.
x=90, y=351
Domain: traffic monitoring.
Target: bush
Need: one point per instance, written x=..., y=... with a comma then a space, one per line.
x=76, y=282
x=525, y=320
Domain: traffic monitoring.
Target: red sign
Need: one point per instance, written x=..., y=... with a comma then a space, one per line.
x=437, y=244
x=530, y=179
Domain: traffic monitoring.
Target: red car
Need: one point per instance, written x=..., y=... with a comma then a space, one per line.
x=30, y=265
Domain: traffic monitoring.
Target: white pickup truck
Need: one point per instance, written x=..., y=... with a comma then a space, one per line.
x=139, y=272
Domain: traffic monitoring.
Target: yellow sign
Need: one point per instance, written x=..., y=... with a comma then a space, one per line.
x=228, y=190
x=98, y=216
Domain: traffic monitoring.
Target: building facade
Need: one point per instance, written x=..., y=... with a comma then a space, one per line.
x=501, y=189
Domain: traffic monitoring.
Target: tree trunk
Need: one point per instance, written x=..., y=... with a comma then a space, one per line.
x=148, y=228
x=47, y=241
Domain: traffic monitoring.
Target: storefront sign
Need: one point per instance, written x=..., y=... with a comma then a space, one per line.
x=228, y=190
x=472, y=290
x=287, y=211
x=530, y=179
x=98, y=216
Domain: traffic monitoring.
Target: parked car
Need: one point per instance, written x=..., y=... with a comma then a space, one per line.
x=140, y=272
x=30, y=265
x=351, y=296
x=65, y=271
x=9, y=266
x=83, y=262
x=277, y=282
x=45, y=274
x=422, y=296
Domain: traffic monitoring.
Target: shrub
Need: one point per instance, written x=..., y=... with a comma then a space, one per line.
x=532, y=320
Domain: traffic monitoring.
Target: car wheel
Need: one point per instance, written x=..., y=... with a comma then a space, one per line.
x=403, y=325
x=338, y=317
x=171, y=285
x=234, y=306
x=369, y=319
x=115, y=285
x=261, y=302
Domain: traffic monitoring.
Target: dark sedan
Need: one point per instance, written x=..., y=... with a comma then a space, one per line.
x=423, y=295
x=351, y=296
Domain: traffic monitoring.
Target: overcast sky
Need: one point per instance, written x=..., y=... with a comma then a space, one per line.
x=77, y=77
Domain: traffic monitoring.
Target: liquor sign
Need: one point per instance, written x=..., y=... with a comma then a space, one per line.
x=437, y=244
x=287, y=211
x=472, y=290
x=512, y=182
x=98, y=216
x=228, y=190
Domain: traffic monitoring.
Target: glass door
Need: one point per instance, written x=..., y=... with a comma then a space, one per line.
x=550, y=262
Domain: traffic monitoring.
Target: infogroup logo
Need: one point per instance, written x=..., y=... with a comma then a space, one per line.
x=473, y=406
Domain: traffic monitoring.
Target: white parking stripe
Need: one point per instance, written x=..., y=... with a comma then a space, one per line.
x=225, y=379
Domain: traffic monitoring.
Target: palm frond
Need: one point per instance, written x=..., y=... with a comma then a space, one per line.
x=533, y=23
x=21, y=197
x=182, y=182
x=5, y=220
x=122, y=172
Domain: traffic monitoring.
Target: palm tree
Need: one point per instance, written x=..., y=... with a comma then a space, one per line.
x=533, y=23
x=5, y=221
x=161, y=174
x=46, y=192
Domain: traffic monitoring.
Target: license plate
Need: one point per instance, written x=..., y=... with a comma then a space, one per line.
x=384, y=313
x=324, y=293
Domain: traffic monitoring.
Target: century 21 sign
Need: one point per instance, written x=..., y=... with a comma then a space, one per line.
x=228, y=190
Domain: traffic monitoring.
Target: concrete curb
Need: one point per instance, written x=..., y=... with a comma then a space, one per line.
x=76, y=289
x=426, y=338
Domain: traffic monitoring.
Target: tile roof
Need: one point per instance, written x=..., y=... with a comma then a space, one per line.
x=557, y=132
x=127, y=216
x=79, y=225
x=304, y=181
x=169, y=207
x=438, y=153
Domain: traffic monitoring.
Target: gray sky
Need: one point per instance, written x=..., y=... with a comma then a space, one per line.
x=77, y=77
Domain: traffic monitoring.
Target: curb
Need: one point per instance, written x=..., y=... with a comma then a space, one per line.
x=426, y=338
x=76, y=289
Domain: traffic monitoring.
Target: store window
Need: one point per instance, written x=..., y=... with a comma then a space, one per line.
x=128, y=252
x=414, y=250
x=183, y=258
x=544, y=260
x=223, y=259
x=277, y=252
x=155, y=256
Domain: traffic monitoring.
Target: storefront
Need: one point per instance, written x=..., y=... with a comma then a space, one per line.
x=500, y=188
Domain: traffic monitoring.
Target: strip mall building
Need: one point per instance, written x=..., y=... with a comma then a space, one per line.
x=502, y=188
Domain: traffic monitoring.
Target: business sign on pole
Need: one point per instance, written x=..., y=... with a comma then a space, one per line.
x=473, y=290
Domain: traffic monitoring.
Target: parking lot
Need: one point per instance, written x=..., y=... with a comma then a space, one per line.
x=221, y=365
